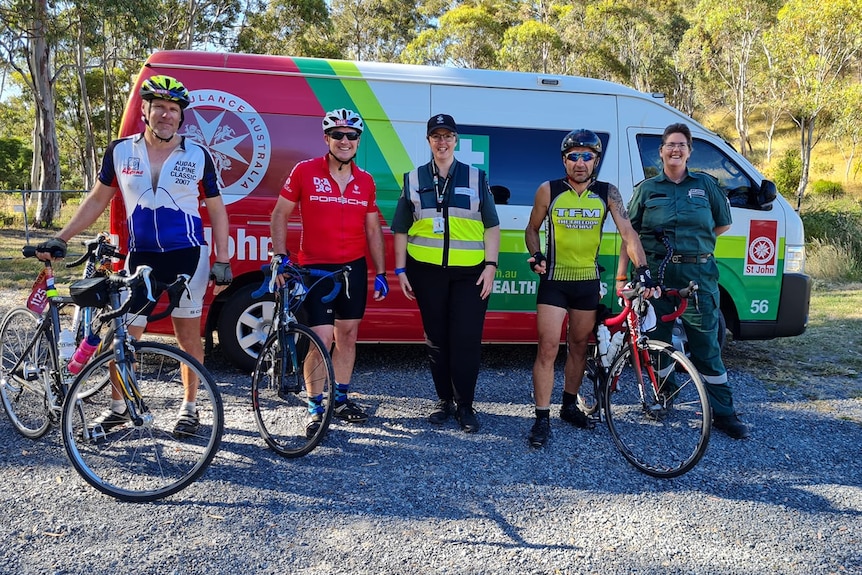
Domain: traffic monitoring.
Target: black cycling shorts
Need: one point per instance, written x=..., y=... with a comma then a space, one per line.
x=315, y=312
x=581, y=295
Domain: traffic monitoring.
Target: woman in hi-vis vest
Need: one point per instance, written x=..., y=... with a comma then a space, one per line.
x=447, y=239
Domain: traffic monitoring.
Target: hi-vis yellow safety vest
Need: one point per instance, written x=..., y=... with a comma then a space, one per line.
x=459, y=240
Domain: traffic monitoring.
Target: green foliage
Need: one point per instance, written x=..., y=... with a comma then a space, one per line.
x=826, y=188
x=15, y=160
x=788, y=173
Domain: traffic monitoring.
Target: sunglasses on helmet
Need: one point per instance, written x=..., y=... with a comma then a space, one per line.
x=340, y=135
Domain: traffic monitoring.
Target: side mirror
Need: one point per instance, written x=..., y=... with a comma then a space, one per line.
x=764, y=195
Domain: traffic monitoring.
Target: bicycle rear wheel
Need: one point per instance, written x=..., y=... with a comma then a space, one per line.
x=142, y=460
x=280, y=387
x=24, y=370
x=663, y=433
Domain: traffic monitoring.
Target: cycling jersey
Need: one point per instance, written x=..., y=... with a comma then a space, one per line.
x=168, y=218
x=574, y=224
x=333, y=220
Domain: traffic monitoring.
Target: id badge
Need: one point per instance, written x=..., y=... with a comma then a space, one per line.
x=439, y=224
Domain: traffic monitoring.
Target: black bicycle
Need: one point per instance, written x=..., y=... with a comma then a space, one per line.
x=139, y=457
x=292, y=386
x=34, y=376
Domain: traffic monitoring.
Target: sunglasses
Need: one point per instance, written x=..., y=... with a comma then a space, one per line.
x=340, y=135
x=585, y=156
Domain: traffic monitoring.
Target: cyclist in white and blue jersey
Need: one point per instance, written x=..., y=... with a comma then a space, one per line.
x=163, y=177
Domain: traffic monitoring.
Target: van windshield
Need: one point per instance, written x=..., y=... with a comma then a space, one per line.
x=705, y=157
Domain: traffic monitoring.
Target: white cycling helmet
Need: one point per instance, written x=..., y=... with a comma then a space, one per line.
x=342, y=118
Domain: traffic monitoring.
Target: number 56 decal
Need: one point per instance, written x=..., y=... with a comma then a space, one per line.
x=759, y=306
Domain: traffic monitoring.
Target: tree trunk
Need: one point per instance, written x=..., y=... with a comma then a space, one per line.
x=89, y=152
x=806, y=131
x=39, y=60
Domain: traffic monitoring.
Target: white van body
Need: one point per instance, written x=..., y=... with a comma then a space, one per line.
x=260, y=115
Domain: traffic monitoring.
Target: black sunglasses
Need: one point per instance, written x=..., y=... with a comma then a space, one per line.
x=339, y=135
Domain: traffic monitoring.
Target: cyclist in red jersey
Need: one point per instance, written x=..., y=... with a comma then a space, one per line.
x=339, y=220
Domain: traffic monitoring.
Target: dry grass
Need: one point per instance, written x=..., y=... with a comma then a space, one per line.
x=826, y=360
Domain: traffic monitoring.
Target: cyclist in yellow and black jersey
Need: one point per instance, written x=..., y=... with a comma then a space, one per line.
x=574, y=209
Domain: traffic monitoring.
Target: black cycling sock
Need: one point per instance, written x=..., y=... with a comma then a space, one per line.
x=543, y=413
x=569, y=399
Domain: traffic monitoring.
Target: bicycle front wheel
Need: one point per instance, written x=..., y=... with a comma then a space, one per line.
x=25, y=372
x=144, y=459
x=658, y=415
x=291, y=371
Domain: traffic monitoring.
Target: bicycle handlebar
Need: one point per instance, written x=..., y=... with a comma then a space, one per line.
x=174, y=290
x=98, y=248
x=295, y=272
x=630, y=293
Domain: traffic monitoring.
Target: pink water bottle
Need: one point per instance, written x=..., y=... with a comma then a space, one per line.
x=85, y=351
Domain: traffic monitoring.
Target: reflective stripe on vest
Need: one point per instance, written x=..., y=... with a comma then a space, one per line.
x=464, y=232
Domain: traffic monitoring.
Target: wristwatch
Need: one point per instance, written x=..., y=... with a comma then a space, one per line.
x=491, y=263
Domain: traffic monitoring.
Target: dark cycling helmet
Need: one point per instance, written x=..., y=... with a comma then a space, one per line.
x=581, y=138
x=165, y=88
x=342, y=118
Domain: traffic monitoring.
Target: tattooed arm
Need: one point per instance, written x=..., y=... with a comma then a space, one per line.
x=631, y=241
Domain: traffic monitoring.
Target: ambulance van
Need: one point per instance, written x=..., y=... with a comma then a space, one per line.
x=260, y=115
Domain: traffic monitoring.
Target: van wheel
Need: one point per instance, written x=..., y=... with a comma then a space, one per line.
x=243, y=325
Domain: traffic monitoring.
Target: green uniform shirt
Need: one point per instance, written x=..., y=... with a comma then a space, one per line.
x=688, y=212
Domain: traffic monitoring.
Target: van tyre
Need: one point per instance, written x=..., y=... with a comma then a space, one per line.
x=243, y=326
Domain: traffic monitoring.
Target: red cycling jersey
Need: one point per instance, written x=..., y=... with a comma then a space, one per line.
x=333, y=220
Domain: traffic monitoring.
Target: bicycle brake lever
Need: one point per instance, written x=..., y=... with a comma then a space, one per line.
x=145, y=274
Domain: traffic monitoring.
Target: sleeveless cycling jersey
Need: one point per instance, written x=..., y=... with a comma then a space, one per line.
x=333, y=220
x=574, y=230
x=168, y=218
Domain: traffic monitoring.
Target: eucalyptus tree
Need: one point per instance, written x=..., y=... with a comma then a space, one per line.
x=630, y=41
x=846, y=130
x=293, y=27
x=729, y=35
x=814, y=47
x=532, y=46
x=28, y=32
x=466, y=36
x=375, y=30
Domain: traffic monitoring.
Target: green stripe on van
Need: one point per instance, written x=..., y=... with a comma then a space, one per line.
x=384, y=155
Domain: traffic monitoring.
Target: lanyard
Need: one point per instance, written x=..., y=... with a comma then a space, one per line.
x=437, y=189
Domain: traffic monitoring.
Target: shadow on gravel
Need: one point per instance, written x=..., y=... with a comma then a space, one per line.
x=400, y=465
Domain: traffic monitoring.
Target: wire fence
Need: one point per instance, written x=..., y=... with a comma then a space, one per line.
x=21, y=201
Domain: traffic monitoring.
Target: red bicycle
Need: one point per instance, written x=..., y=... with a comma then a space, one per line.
x=650, y=394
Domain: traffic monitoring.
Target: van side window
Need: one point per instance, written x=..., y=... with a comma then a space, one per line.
x=704, y=158
x=517, y=159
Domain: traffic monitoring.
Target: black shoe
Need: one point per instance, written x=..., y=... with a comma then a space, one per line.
x=571, y=414
x=312, y=424
x=443, y=410
x=731, y=426
x=349, y=412
x=540, y=432
x=466, y=417
x=187, y=424
x=108, y=420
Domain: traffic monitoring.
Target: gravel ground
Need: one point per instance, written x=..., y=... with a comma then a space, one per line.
x=399, y=496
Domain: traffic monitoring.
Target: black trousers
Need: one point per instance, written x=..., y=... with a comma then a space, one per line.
x=453, y=315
